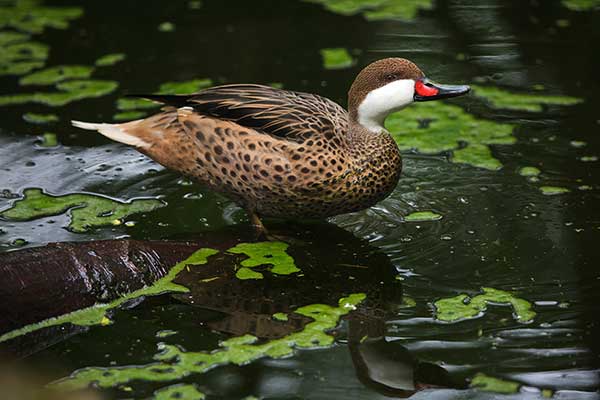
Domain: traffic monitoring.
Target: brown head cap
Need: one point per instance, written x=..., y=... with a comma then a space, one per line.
x=378, y=74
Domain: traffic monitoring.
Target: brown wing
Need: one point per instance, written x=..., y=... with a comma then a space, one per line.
x=291, y=115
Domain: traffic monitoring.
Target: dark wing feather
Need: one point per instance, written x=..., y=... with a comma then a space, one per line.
x=292, y=115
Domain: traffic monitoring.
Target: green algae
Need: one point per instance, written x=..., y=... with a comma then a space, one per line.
x=129, y=115
x=588, y=158
x=461, y=307
x=49, y=139
x=9, y=37
x=109, y=59
x=377, y=9
x=172, y=362
x=40, y=119
x=581, y=5
x=130, y=103
x=87, y=211
x=69, y=91
x=165, y=333
x=280, y=316
x=29, y=16
x=97, y=314
x=263, y=253
x=529, y=171
x=490, y=384
x=336, y=58
x=435, y=127
x=184, y=87
x=50, y=76
x=553, y=190
x=181, y=391
x=499, y=98
x=18, y=57
x=420, y=216
x=166, y=27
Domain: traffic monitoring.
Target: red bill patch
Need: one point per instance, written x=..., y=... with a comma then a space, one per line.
x=425, y=91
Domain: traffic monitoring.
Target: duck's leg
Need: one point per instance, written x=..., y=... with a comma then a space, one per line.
x=259, y=228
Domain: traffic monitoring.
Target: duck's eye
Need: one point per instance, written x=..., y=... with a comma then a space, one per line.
x=390, y=77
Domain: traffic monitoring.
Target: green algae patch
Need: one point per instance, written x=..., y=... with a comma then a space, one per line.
x=462, y=307
x=40, y=119
x=109, y=60
x=18, y=56
x=165, y=333
x=487, y=383
x=166, y=27
x=377, y=9
x=529, y=171
x=499, y=98
x=435, y=127
x=29, y=16
x=248, y=273
x=264, y=253
x=336, y=58
x=87, y=211
x=421, y=216
x=69, y=91
x=553, y=190
x=50, y=76
x=581, y=5
x=97, y=314
x=172, y=362
x=129, y=115
x=184, y=87
x=280, y=316
x=182, y=391
x=130, y=103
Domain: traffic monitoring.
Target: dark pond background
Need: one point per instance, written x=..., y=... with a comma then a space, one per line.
x=498, y=230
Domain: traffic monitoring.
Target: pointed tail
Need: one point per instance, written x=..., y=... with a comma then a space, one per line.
x=116, y=132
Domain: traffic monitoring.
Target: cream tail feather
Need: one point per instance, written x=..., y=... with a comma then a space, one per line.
x=116, y=132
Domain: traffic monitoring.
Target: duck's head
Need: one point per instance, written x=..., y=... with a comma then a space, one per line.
x=389, y=85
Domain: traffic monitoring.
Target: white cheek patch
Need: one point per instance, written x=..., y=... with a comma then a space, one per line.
x=379, y=103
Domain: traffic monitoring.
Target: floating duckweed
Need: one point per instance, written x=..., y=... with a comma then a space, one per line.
x=435, y=127
x=49, y=139
x=589, y=158
x=181, y=391
x=461, y=307
x=247, y=273
x=95, y=314
x=184, y=87
x=165, y=333
x=581, y=5
x=336, y=58
x=21, y=58
x=9, y=37
x=499, y=98
x=109, y=59
x=128, y=115
x=273, y=253
x=166, y=27
x=19, y=242
x=87, y=211
x=57, y=74
x=40, y=118
x=280, y=316
x=174, y=363
x=578, y=143
x=129, y=103
x=69, y=91
x=529, y=171
x=553, y=190
x=195, y=4
x=490, y=384
x=420, y=216
x=29, y=16
x=377, y=9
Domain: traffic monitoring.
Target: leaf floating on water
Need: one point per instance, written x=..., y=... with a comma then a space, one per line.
x=50, y=76
x=17, y=58
x=581, y=5
x=30, y=16
x=336, y=58
x=184, y=87
x=172, y=362
x=87, y=211
x=130, y=103
x=109, y=60
x=181, y=391
x=129, y=115
x=166, y=27
x=553, y=190
x=490, y=384
x=69, y=91
x=265, y=253
x=280, y=316
x=462, y=307
x=529, y=171
x=499, y=98
x=49, y=140
x=377, y=9
x=40, y=119
x=421, y=216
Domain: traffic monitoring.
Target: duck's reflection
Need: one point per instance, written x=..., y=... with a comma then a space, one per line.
x=333, y=264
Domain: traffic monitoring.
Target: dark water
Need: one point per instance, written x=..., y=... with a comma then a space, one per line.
x=497, y=229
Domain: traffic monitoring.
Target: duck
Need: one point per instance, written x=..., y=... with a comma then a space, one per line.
x=281, y=153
